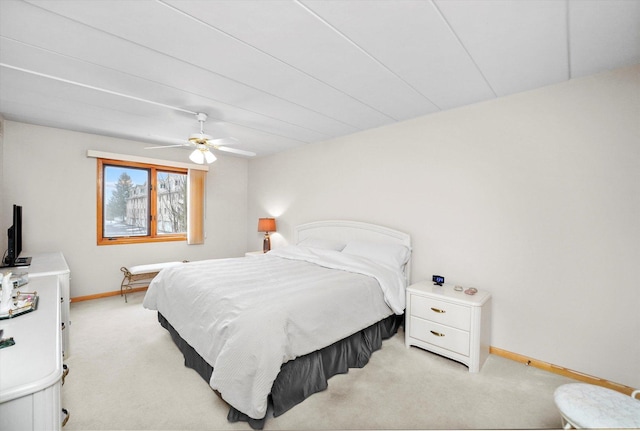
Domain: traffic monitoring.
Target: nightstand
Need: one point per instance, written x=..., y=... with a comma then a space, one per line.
x=449, y=323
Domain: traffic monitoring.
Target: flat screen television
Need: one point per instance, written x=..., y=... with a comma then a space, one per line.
x=14, y=234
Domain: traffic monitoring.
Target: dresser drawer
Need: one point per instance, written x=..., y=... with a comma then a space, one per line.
x=439, y=335
x=445, y=313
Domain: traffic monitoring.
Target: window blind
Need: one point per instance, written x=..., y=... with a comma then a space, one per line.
x=195, y=210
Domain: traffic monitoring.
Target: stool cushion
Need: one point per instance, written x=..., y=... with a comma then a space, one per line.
x=591, y=406
x=152, y=267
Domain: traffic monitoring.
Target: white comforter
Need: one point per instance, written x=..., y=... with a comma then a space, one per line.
x=248, y=316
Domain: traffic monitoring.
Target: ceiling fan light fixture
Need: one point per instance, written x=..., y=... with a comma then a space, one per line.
x=209, y=157
x=197, y=156
x=202, y=154
x=203, y=144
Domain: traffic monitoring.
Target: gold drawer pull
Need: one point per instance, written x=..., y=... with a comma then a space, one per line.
x=66, y=414
x=437, y=310
x=437, y=334
x=65, y=371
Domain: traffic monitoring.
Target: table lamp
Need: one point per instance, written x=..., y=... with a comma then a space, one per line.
x=266, y=225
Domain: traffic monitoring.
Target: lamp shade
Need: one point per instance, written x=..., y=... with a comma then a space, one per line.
x=266, y=225
x=197, y=157
x=202, y=154
x=209, y=157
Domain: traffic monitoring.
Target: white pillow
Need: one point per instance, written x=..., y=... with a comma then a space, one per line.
x=325, y=244
x=395, y=255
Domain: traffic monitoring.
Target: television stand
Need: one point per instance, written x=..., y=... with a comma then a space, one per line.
x=21, y=261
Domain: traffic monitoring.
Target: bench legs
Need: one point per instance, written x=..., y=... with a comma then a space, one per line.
x=566, y=424
x=134, y=280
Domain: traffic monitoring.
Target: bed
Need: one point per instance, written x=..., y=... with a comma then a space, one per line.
x=268, y=331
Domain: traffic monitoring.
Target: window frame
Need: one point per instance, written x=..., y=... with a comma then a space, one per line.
x=153, y=203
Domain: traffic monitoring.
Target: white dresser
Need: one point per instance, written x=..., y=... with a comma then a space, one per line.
x=46, y=264
x=449, y=323
x=31, y=370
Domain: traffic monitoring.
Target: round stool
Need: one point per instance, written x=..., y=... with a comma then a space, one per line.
x=588, y=406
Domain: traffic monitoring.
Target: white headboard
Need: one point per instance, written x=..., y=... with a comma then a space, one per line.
x=345, y=230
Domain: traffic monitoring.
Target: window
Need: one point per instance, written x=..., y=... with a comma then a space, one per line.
x=139, y=202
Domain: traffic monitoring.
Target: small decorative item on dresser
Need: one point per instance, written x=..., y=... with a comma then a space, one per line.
x=449, y=322
x=6, y=342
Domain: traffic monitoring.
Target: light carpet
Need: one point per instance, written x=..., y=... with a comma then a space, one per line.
x=126, y=374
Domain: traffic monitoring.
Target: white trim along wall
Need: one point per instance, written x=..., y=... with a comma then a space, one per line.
x=534, y=197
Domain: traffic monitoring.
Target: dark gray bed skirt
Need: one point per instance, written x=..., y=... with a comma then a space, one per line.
x=306, y=375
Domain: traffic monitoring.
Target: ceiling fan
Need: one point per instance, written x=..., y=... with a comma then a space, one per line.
x=203, y=144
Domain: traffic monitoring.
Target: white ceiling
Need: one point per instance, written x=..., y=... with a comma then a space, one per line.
x=278, y=74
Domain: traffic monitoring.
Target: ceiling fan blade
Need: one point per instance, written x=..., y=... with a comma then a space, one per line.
x=169, y=139
x=236, y=151
x=215, y=142
x=227, y=141
x=165, y=146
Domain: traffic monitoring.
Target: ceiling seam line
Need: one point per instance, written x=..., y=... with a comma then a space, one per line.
x=433, y=2
x=171, y=87
x=365, y=52
x=277, y=59
x=177, y=89
x=139, y=99
x=356, y=128
x=92, y=87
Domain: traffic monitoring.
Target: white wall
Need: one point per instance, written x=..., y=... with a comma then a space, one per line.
x=47, y=172
x=534, y=197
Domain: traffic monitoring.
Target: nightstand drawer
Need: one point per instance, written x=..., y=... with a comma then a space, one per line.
x=441, y=312
x=439, y=335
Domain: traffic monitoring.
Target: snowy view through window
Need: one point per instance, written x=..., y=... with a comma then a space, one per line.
x=126, y=202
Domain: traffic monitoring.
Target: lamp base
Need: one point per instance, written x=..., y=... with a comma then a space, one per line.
x=266, y=243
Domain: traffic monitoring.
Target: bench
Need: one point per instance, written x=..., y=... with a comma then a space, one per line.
x=584, y=405
x=141, y=275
